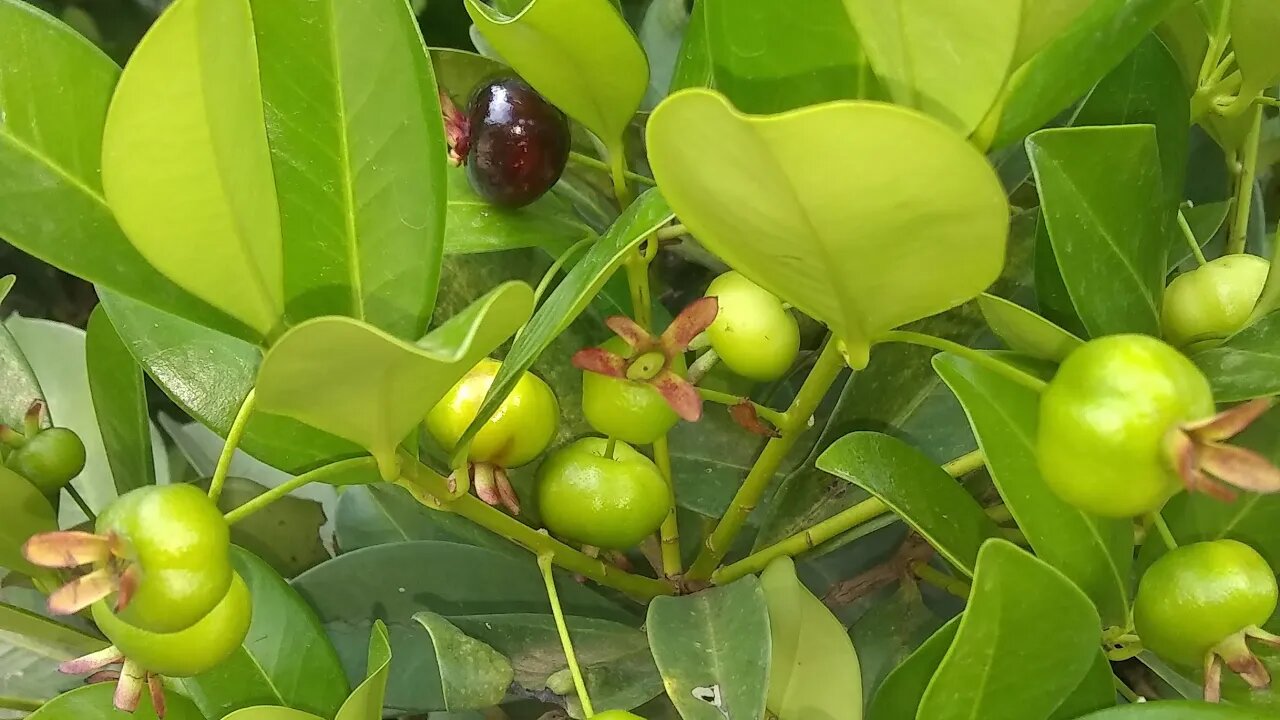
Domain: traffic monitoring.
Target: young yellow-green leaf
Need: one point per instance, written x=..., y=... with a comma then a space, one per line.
x=810, y=205
x=1042, y=22
x=915, y=46
x=1102, y=198
x=352, y=380
x=23, y=513
x=1024, y=620
x=269, y=712
x=185, y=162
x=94, y=702
x=120, y=404
x=813, y=672
x=1026, y=332
x=580, y=54
x=1255, y=24
x=926, y=497
x=713, y=650
x=473, y=676
x=365, y=702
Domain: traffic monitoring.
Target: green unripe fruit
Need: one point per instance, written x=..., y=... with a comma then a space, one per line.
x=1213, y=301
x=754, y=335
x=518, y=432
x=49, y=460
x=626, y=410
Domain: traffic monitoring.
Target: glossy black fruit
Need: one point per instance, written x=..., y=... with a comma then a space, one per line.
x=519, y=143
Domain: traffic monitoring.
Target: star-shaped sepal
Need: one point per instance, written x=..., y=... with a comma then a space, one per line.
x=112, y=571
x=1235, y=654
x=1208, y=465
x=130, y=679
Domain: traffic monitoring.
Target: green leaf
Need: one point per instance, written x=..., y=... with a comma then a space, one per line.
x=31, y=647
x=473, y=676
x=580, y=54
x=1026, y=332
x=55, y=87
x=285, y=659
x=914, y=487
x=120, y=404
x=899, y=696
x=1101, y=196
x=381, y=514
x=94, y=702
x=1004, y=634
x=393, y=582
x=661, y=33
x=366, y=700
x=1177, y=710
x=914, y=46
x=1269, y=300
x=267, y=712
x=571, y=297
x=1247, y=365
x=358, y=156
x=1064, y=70
x=201, y=167
x=208, y=375
x=6, y=284
x=693, y=65
x=1043, y=21
x=1094, y=553
x=1146, y=89
x=771, y=56
x=352, y=380
x=478, y=226
x=813, y=669
x=755, y=191
x=886, y=635
x=713, y=650
x=1254, y=26
x=287, y=538
x=1097, y=690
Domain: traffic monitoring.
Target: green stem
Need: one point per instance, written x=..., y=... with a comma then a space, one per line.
x=234, y=435
x=1125, y=690
x=618, y=172
x=609, y=446
x=1244, y=192
x=977, y=357
x=815, y=387
x=955, y=586
x=832, y=527
x=671, y=232
x=594, y=164
x=432, y=490
x=1191, y=238
x=1218, y=43
x=544, y=564
x=284, y=488
x=1157, y=521
x=79, y=501
x=19, y=704
x=703, y=365
x=669, y=534
x=721, y=398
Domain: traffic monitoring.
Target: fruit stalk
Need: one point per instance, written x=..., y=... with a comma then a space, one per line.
x=234, y=435
x=544, y=564
x=279, y=491
x=669, y=533
x=1244, y=190
x=815, y=387
x=431, y=489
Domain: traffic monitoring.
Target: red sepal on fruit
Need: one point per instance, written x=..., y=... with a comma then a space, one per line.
x=1210, y=466
x=653, y=357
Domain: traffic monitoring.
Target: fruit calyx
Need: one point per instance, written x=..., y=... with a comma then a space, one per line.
x=492, y=485
x=1234, y=652
x=1208, y=465
x=652, y=358
x=457, y=130
x=114, y=571
x=130, y=678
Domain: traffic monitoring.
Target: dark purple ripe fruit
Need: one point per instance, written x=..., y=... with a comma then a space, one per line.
x=519, y=143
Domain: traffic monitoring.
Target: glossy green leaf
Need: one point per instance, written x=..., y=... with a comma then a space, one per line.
x=813, y=668
x=1177, y=710
x=184, y=150
x=713, y=650
x=661, y=33
x=55, y=88
x=580, y=54
x=285, y=659
x=1254, y=26
x=393, y=582
x=891, y=629
x=899, y=696
x=267, y=712
x=1064, y=70
x=1247, y=365
x=926, y=497
x=571, y=297
x=693, y=64
x=381, y=514
x=1102, y=199
x=1004, y=634
x=1185, y=34
x=120, y=403
x=93, y=702
x=386, y=385
x=1095, y=553
x=1146, y=89
x=25, y=512
x=756, y=191
x=1026, y=332
x=366, y=700
x=208, y=374
x=472, y=674
x=771, y=56
x=914, y=45
x=1096, y=691
x=358, y=157
x=31, y=646
x=1042, y=22
x=478, y=226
